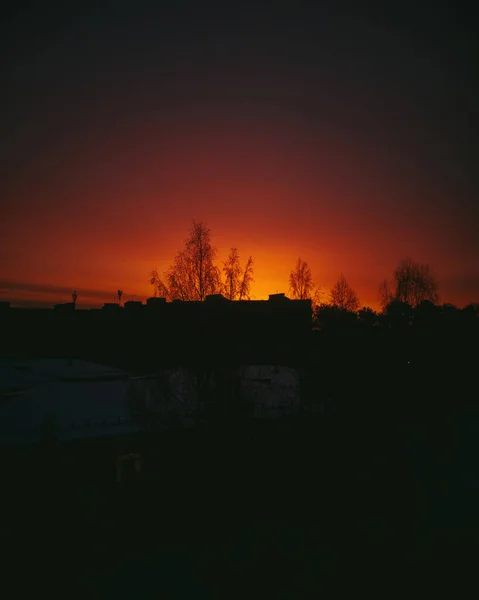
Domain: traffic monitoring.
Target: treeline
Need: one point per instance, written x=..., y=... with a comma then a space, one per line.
x=412, y=292
x=411, y=297
x=397, y=314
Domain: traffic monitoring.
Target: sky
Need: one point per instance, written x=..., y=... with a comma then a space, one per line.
x=343, y=134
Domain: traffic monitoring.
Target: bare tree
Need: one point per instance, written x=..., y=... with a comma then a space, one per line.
x=317, y=298
x=385, y=294
x=159, y=287
x=193, y=275
x=412, y=283
x=238, y=280
x=343, y=296
x=244, y=280
x=233, y=275
x=367, y=315
x=301, y=281
x=415, y=283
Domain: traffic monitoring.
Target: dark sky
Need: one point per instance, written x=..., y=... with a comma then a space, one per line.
x=342, y=132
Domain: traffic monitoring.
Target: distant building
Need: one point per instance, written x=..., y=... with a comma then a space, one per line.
x=277, y=297
x=111, y=307
x=155, y=302
x=272, y=331
x=133, y=306
x=76, y=398
x=216, y=298
x=66, y=307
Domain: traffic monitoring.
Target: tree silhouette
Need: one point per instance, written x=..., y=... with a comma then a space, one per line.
x=471, y=311
x=367, y=316
x=159, y=287
x=449, y=309
x=343, y=296
x=330, y=316
x=74, y=297
x=301, y=281
x=385, y=295
x=412, y=283
x=120, y=294
x=246, y=280
x=193, y=275
x=427, y=308
x=238, y=281
x=399, y=313
x=232, y=271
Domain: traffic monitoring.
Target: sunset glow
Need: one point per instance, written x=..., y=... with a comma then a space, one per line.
x=106, y=162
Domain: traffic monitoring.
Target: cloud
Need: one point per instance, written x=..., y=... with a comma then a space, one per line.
x=39, y=288
x=22, y=303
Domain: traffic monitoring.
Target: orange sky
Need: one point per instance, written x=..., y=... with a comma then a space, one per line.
x=124, y=208
x=105, y=163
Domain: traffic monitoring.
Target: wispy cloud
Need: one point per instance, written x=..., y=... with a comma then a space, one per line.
x=18, y=287
x=25, y=303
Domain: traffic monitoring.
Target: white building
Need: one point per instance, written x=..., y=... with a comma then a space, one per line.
x=69, y=398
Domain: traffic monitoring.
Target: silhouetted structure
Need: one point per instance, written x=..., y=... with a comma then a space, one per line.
x=158, y=332
x=111, y=307
x=155, y=302
x=66, y=307
x=133, y=305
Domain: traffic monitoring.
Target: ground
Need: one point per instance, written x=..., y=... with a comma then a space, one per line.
x=378, y=492
x=279, y=513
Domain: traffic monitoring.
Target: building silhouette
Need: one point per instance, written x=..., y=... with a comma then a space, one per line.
x=217, y=330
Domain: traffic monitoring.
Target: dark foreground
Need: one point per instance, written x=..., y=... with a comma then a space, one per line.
x=287, y=509
x=379, y=493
